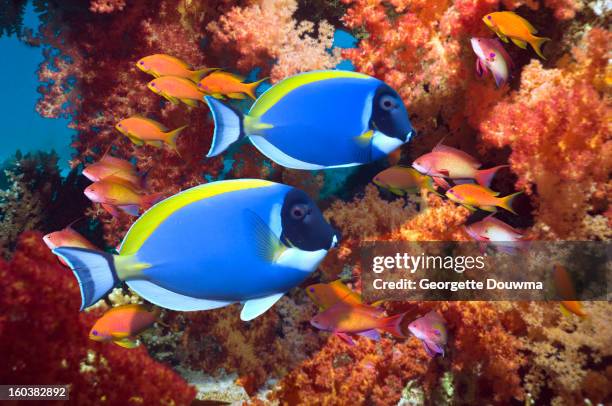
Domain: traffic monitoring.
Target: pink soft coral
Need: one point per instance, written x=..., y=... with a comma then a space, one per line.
x=265, y=32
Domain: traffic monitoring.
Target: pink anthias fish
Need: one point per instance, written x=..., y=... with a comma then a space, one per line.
x=67, y=237
x=346, y=319
x=495, y=231
x=109, y=166
x=448, y=162
x=431, y=330
x=492, y=56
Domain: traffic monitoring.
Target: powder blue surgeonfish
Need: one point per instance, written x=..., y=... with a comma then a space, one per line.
x=213, y=245
x=318, y=120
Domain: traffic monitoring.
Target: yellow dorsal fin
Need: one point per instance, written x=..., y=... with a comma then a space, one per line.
x=148, y=222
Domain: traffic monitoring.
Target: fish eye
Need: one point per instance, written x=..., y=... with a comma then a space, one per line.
x=312, y=290
x=489, y=17
x=299, y=211
x=387, y=102
x=94, y=332
x=492, y=54
x=141, y=63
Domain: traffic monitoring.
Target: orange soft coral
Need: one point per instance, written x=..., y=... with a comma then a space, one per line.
x=557, y=125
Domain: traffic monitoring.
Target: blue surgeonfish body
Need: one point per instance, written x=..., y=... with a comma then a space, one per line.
x=213, y=245
x=318, y=120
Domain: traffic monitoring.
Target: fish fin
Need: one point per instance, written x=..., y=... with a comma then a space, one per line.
x=251, y=88
x=506, y=202
x=154, y=143
x=94, y=270
x=228, y=126
x=564, y=310
x=197, y=75
x=219, y=96
x=112, y=210
x=441, y=182
x=237, y=95
x=428, y=350
x=345, y=337
x=485, y=176
x=519, y=43
x=235, y=76
x=393, y=325
x=135, y=141
x=397, y=191
x=502, y=36
x=171, y=137
x=267, y=244
x=171, y=300
x=469, y=207
x=536, y=43
x=480, y=68
x=120, y=335
x=131, y=209
x=255, y=307
x=128, y=343
x=171, y=99
x=371, y=334
x=190, y=102
x=491, y=209
x=364, y=139
x=499, y=79
x=150, y=200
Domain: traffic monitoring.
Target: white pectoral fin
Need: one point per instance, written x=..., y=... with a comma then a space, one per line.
x=171, y=300
x=296, y=258
x=384, y=143
x=255, y=307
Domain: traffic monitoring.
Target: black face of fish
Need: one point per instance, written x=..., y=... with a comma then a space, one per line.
x=304, y=226
x=389, y=115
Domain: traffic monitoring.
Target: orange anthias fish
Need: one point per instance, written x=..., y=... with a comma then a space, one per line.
x=325, y=295
x=122, y=325
x=220, y=84
x=176, y=89
x=67, y=237
x=113, y=193
x=141, y=130
x=401, y=180
x=507, y=24
x=165, y=65
x=476, y=196
x=448, y=162
x=115, y=167
x=565, y=289
x=431, y=330
x=344, y=319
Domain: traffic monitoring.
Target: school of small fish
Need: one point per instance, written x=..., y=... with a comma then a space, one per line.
x=345, y=315
x=118, y=186
x=490, y=53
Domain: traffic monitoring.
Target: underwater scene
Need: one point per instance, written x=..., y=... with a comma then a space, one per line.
x=306, y=202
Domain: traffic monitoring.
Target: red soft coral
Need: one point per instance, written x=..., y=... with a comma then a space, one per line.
x=44, y=339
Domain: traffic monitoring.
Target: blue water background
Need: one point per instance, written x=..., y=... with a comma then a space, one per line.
x=22, y=127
